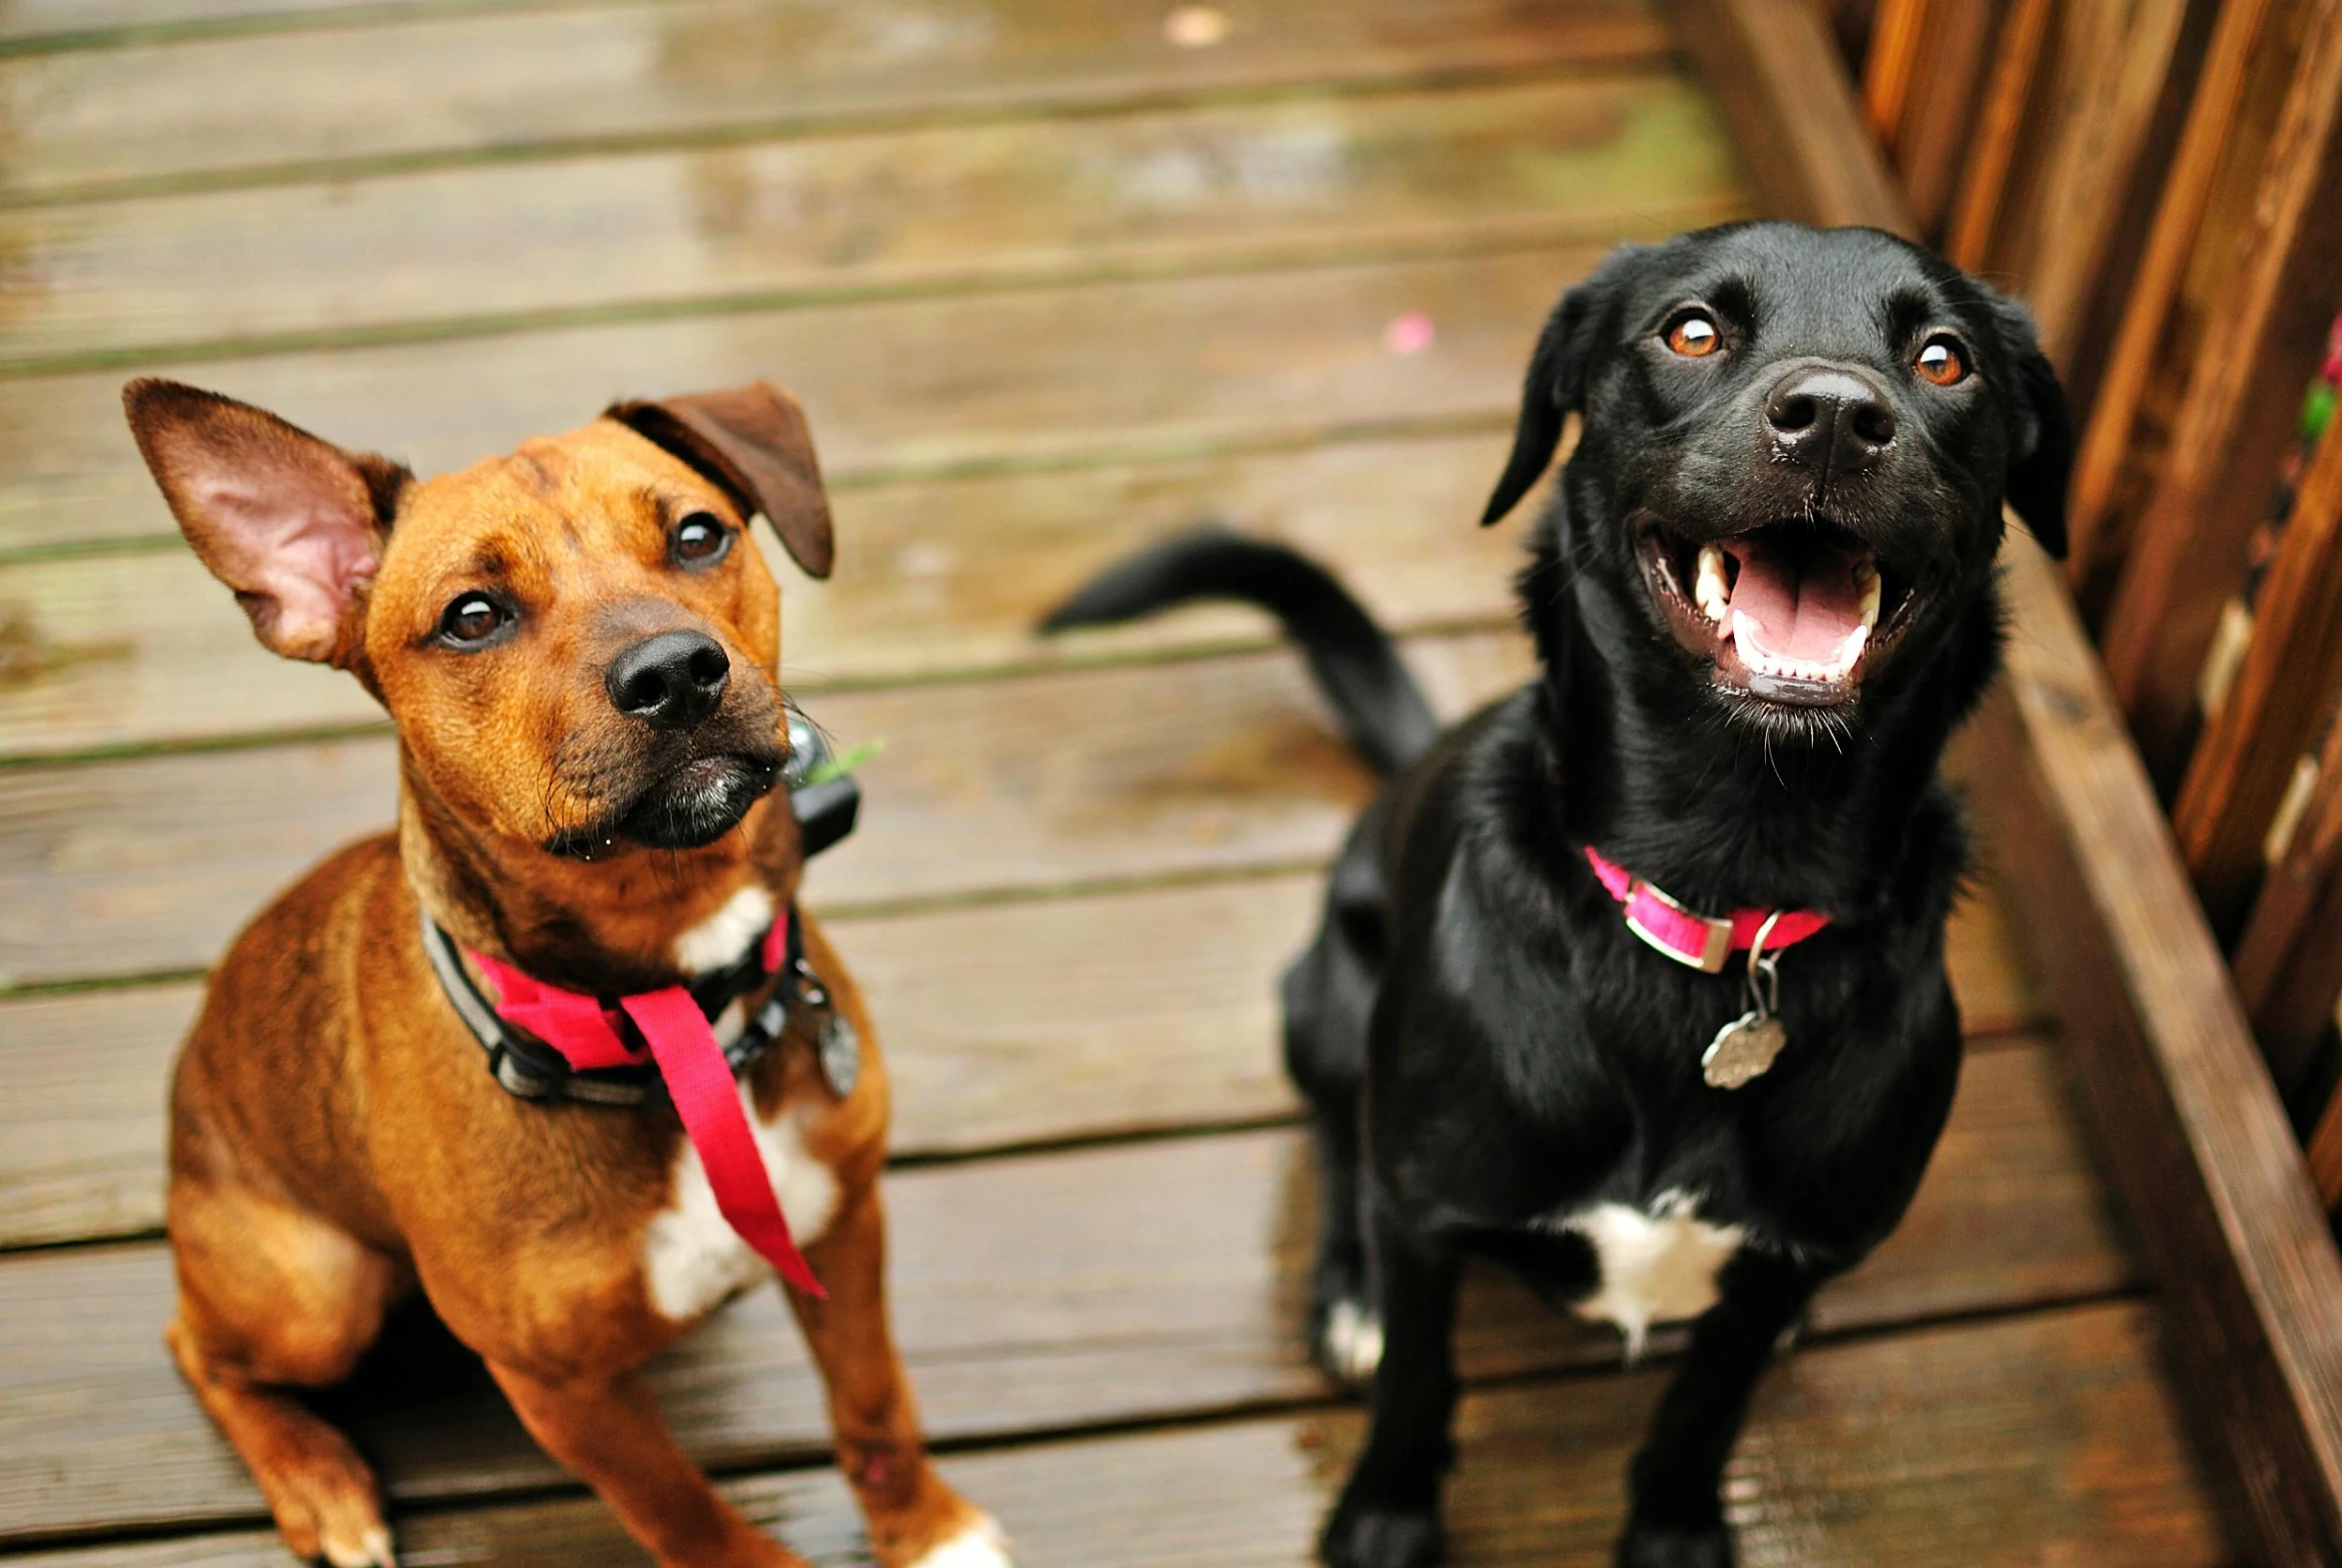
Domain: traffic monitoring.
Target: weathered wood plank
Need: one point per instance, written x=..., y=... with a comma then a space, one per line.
x=938, y=579
x=2289, y=960
x=2126, y=440
x=2000, y=1445
x=897, y=390
x=1014, y=1023
x=1813, y=162
x=2089, y=162
x=950, y=207
x=1062, y=779
x=2242, y=768
x=1032, y=1294
x=2008, y=92
x=81, y=1140
x=443, y=86
x=2237, y=420
x=1009, y=1023
x=1928, y=132
x=1070, y=779
x=2246, y=1263
x=68, y=22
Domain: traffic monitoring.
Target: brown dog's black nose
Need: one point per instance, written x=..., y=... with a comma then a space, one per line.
x=669, y=682
x=1830, y=420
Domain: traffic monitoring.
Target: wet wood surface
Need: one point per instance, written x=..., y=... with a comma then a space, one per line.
x=1033, y=1292
x=1160, y=1015
x=1068, y=780
x=898, y=389
x=938, y=579
x=1052, y=283
x=947, y=208
x=2060, y=1418
x=457, y=83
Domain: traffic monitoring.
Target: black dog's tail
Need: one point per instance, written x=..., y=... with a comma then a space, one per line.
x=1381, y=708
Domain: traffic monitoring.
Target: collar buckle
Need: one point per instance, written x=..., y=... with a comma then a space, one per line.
x=1713, y=953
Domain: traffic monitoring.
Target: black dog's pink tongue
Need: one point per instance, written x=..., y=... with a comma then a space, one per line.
x=1804, y=602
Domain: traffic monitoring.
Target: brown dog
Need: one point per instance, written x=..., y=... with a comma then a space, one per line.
x=580, y=649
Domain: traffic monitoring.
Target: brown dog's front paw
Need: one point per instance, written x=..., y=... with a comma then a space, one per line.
x=975, y=1542
x=324, y=1506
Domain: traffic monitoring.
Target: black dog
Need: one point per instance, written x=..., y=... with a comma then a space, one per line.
x=1763, y=597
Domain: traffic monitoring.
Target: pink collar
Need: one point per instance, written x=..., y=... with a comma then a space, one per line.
x=1703, y=942
x=667, y=1027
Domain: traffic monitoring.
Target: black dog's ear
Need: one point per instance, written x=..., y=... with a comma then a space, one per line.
x=2040, y=431
x=1555, y=385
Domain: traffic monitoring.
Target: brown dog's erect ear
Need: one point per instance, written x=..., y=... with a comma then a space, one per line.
x=293, y=524
x=754, y=442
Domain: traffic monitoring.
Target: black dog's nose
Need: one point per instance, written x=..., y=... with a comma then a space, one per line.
x=669, y=682
x=1830, y=420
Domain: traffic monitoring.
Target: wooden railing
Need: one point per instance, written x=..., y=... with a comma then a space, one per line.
x=2207, y=502
x=2162, y=180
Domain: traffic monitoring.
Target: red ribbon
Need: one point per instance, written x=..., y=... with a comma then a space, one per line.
x=697, y=1077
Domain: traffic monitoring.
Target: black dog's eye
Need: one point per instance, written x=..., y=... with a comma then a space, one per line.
x=1941, y=361
x=1694, y=334
x=700, y=539
x=471, y=619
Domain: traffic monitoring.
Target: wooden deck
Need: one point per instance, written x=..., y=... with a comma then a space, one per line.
x=1050, y=284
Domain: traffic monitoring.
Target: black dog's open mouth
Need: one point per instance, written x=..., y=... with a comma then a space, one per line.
x=696, y=804
x=1793, y=612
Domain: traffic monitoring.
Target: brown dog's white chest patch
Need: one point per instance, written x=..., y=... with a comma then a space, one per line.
x=1657, y=1265
x=692, y=1258
x=723, y=936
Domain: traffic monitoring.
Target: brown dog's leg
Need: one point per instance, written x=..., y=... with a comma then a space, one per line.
x=609, y=1431
x=269, y=1296
x=915, y=1519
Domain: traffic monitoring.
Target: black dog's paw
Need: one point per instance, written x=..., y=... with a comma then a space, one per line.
x=1646, y=1546
x=1346, y=1337
x=1375, y=1535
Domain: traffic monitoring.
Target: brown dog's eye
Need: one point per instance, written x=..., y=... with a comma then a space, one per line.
x=1939, y=361
x=700, y=539
x=1694, y=334
x=474, y=619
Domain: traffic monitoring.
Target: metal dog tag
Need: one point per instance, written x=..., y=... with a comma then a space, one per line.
x=1745, y=1048
x=841, y=1053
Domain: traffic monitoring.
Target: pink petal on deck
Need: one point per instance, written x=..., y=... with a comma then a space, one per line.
x=1410, y=333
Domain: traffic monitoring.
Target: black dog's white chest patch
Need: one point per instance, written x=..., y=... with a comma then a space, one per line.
x=1657, y=1264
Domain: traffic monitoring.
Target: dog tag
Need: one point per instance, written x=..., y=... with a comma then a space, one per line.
x=1743, y=1049
x=841, y=1052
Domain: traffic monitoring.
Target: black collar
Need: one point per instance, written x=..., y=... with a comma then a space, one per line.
x=529, y=1068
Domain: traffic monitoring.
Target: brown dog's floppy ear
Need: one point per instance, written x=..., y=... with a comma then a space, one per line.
x=1555, y=384
x=293, y=524
x=753, y=441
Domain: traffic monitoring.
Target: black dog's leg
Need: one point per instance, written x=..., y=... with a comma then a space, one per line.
x=1345, y=1327
x=1329, y=996
x=1676, y=1519
x=1388, y=1515
x=1345, y=1332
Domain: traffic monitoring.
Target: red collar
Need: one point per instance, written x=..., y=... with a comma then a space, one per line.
x=1703, y=942
x=668, y=1028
